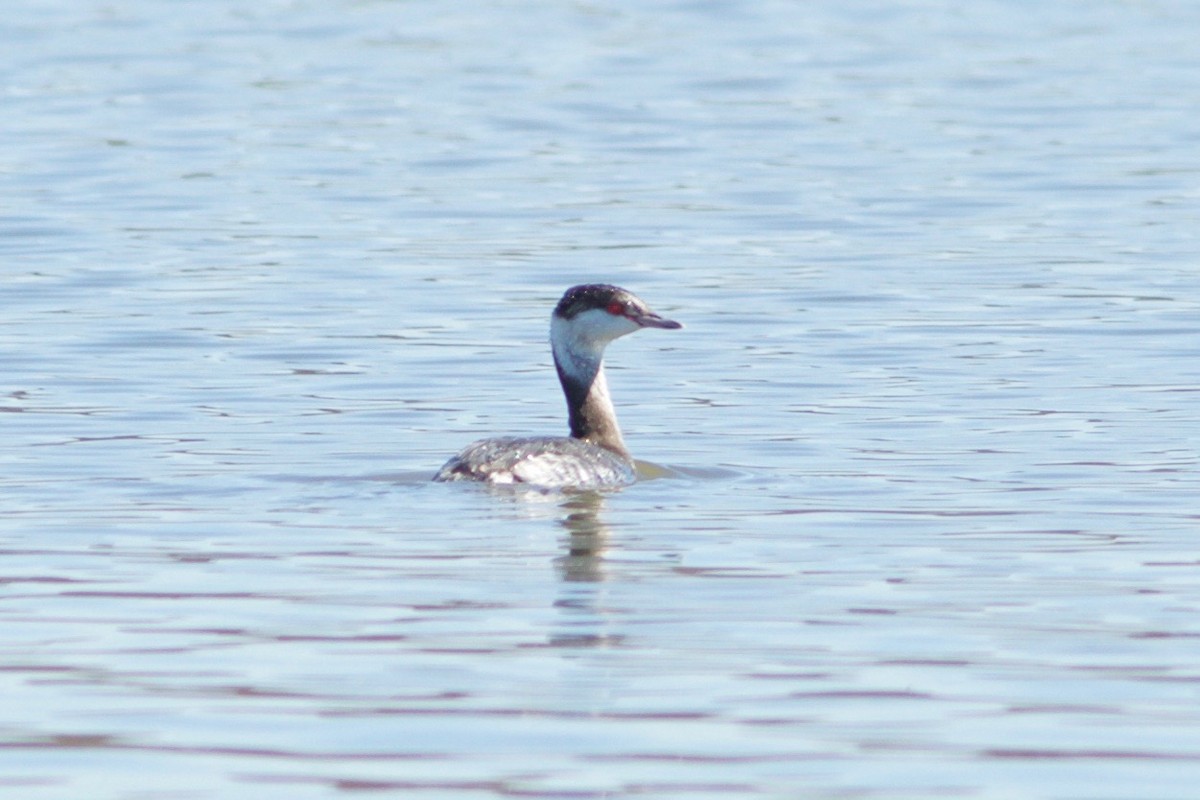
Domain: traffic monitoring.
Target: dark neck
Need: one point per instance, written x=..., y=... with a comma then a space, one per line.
x=591, y=413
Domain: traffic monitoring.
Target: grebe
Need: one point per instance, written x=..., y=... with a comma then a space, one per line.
x=585, y=320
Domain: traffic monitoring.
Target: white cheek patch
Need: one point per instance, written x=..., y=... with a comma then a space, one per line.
x=597, y=325
x=578, y=343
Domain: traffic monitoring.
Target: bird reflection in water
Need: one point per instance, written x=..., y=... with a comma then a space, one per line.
x=587, y=538
x=588, y=619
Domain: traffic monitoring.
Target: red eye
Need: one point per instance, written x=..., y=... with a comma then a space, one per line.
x=616, y=309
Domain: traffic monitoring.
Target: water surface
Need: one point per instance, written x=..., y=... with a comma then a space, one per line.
x=926, y=521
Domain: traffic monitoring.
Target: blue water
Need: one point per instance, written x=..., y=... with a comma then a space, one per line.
x=928, y=444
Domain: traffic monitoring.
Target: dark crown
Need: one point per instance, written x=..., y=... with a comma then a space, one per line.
x=589, y=296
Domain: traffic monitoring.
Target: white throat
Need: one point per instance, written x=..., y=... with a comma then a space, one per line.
x=578, y=345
